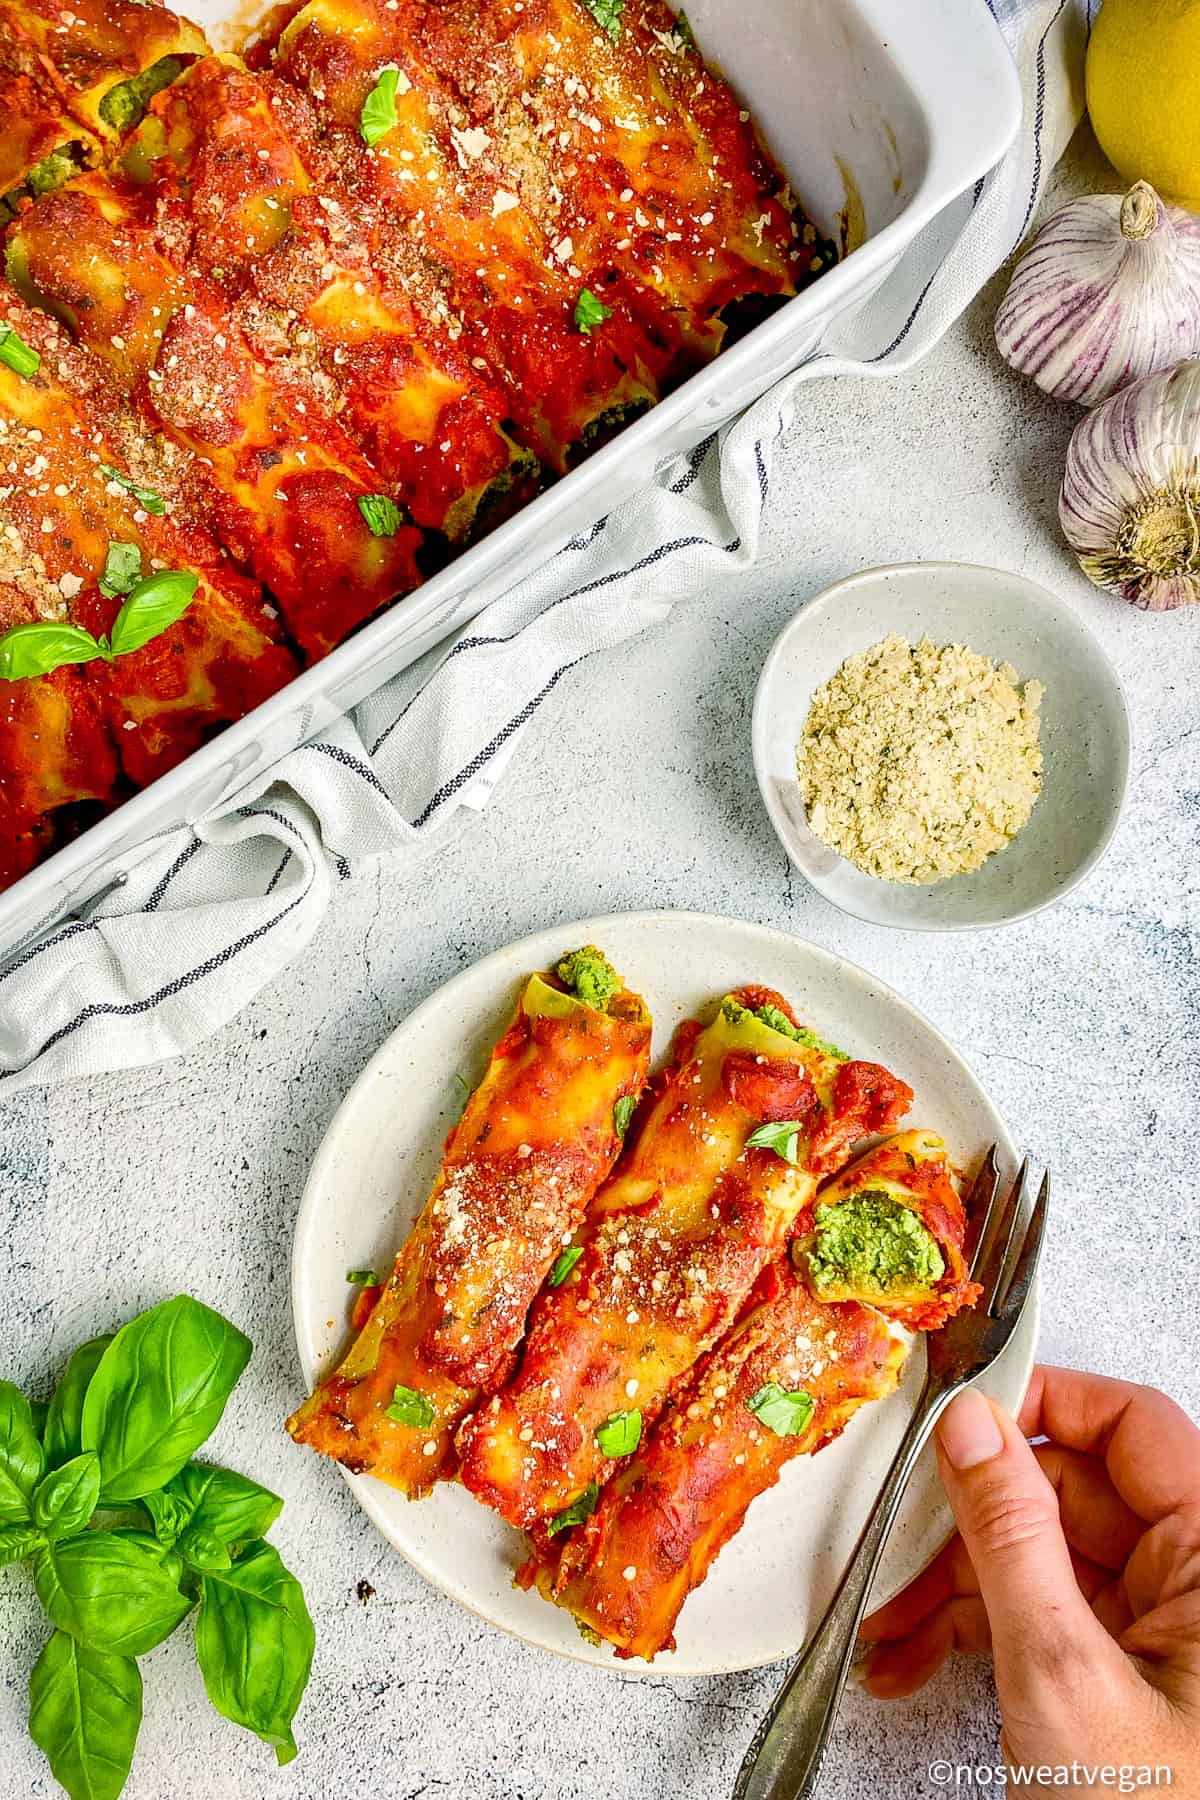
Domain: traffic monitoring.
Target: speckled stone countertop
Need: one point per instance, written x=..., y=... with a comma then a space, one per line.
x=636, y=790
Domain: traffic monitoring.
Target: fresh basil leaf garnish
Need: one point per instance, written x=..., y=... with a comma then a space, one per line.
x=577, y=1512
x=220, y=1502
x=17, y=355
x=158, y=1391
x=623, y=1112
x=411, y=1408
x=18, y=1542
x=153, y=503
x=254, y=1644
x=122, y=570
x=85, y=1709
x=22, y=1458
x=158, y=601
x=563, y=1266
x=362, y=1277
x=38, y=649
x=781, y=1136
x=60, y=1436
x=590, y=312
x=65, y=1499
x=786, y=1414
x=607, y=14
x=378, y=115
x=620, y=1434
x=382, y=516
x=110, y=1591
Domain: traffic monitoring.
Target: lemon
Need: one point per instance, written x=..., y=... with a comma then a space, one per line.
x=1143, y=92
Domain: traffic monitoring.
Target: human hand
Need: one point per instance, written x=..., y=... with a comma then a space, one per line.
x=1077, y=1564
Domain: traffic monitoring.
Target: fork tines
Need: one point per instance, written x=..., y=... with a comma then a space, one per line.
x=1010, y=1235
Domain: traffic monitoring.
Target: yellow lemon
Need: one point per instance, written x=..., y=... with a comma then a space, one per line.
x=1143, y=92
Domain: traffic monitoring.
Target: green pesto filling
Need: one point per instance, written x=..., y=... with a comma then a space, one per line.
x=62, y=164
x=589, y=975
x=778, y=1021
x=123, y=106
x=874, y=1245
x=605, y=426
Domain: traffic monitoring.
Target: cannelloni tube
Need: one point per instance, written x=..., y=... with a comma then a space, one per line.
x=890, y=1231
x=501, y=286
x=234, y=156
x=631, y=154
x=726, y=1156
x=108, y=57
x=538, y=1136
x=77, y=514
x=286, y=480
x=784, y=1382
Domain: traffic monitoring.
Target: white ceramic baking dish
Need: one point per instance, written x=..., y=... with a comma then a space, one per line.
x=880, y=112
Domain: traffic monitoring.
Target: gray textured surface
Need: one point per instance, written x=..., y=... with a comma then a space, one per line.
x=636, y=790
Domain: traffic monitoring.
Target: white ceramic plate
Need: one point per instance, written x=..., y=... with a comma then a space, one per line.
x=1085, y=735
x=374, y=1169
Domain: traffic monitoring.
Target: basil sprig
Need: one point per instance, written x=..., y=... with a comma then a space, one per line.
x=781, y=1135
x=150, y=607
x=118, y=1435
x=378, y=115
x=590, y=312
x=786, y=1414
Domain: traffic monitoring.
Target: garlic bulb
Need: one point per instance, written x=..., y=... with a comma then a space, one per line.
x=1130, y=502
x=1109, y=291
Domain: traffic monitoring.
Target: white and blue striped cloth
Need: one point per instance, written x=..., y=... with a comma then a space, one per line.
x=211, y=912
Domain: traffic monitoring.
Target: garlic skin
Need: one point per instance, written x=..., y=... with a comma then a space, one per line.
x=1108, y=291
x=1130, y=501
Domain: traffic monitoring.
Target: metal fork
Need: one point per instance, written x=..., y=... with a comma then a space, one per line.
x=784, y=1760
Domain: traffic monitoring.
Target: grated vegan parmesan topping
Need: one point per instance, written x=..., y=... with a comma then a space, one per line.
x=920, y=763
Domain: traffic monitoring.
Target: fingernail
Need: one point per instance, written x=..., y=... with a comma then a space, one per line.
x=968, y=1432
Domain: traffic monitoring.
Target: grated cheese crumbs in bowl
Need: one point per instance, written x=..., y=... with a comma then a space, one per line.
x=919, y=763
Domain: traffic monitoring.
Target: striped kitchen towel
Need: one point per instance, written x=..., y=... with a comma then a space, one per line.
x=209, y=913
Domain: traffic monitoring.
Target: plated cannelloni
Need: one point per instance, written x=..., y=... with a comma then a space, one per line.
x=629, y=1303
x=536, y=1139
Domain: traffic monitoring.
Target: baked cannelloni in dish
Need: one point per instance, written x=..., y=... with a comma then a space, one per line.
x=344, y=310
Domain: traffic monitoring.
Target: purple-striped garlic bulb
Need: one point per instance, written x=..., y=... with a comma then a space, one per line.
x=1108, y=291
x=1130, y=501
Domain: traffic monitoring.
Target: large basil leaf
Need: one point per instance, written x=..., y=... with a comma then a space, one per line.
x=21, y=1458
x=18, y=1542
x=85, y=1707
x=155, y=603
x=36, y=649
x=110, y=1592
x=65, y=1499
x=60, y=1436
x=254, y=1643
x=158, y=1392
x=226, y=1506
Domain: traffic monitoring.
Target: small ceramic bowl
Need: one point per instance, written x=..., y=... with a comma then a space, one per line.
x=1085, y=735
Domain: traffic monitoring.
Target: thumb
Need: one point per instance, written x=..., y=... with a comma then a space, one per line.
x=1007, y=1515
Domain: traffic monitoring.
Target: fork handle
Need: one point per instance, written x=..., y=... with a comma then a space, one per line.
x=784, y=1760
